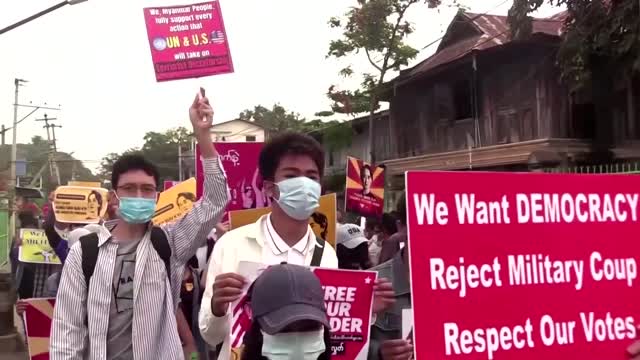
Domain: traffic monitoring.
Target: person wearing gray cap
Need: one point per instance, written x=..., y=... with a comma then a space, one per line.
x=289, y=316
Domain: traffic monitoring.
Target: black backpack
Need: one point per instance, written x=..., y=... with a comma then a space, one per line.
x=89, y=245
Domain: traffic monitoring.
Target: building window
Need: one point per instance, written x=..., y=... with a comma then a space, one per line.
x=462, y=99
x=250, y=138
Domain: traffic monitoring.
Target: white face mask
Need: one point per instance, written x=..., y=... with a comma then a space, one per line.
x=293, y=346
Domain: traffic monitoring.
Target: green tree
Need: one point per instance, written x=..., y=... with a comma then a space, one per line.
x=601, y=45
x=377, y=29
x=36, y=154
x=276, y=119
x=161, y=148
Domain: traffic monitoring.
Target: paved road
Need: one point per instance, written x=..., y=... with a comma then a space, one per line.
x=23, y=355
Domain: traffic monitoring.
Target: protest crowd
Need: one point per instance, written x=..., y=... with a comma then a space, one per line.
x=477, y=249
x=127, y=288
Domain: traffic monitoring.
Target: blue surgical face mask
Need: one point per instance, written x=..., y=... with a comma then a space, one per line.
x=135, y=210
x=293, y=346
x=299, y=197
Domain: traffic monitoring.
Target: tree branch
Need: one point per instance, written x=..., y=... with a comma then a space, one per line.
x=394, y=34
x=371, y=60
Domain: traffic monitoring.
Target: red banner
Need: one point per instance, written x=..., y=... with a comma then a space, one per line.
x=188, y=41
x=512, y=266
x=348, y=297
x=365, y=188
x=38, y=317
x=240, y=162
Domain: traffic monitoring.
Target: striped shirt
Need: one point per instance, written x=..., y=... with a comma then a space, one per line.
x=154, y=333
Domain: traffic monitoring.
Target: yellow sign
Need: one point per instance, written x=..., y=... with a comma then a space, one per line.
x=35, y=248
x=323, y=221
x=175, y=202
x=80, y=205
x=91, y=184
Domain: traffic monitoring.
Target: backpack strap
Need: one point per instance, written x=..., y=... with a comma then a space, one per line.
x=89, y=245
x=161, y=245
x=317, y=252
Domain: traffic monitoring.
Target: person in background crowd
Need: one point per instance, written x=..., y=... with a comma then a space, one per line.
x=129, y=309
x=398, y=240
x=339, y=217
x=322, y=222
x=374, y=229
x=291, y=166
x=289, y=316
x=58, y=235
x=48, y=207
x=31, y=278
x=25, y=205
x=187, y=315
x=352, y=248
x=371, y=228
x=386, y=333
x=388, y=227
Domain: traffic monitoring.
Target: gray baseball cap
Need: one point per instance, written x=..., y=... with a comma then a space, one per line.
x=284, y=294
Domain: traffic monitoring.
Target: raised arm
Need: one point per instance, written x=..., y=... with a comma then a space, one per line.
x=189, y=233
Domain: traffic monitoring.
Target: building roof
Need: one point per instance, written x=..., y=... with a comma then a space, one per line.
x=482, y=32
x=241, y=120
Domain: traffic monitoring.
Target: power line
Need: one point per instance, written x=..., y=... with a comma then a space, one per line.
x=472, y=19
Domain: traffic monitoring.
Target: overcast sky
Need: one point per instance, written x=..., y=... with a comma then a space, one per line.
x=94, y=60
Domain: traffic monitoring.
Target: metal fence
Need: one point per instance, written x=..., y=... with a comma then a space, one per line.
x=618, y=168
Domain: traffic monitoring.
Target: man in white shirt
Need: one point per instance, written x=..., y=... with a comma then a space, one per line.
x=291, y=166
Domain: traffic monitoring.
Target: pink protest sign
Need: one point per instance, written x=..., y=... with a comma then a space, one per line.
x=348, y=297
x=188, y=41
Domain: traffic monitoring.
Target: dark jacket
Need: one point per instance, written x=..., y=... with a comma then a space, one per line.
x=388, y=325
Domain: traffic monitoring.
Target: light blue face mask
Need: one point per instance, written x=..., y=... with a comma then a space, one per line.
x=299, y=197
x=135, y=210
x=293, y=346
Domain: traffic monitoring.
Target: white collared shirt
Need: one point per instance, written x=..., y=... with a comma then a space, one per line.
x=278, y=251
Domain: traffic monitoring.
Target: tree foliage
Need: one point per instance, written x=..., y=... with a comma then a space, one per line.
x=334, y=134
x=36, y=154
x=276, y=119
x=161, y=148
x=377, y=30
x=596, y=33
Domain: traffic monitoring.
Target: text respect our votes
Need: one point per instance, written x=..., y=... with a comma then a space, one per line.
x=529, y=269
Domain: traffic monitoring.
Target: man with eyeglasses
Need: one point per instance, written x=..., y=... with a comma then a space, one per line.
x=121, y=304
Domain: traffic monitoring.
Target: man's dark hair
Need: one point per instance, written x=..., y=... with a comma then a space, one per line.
x=187, y=195
x=27, y=220
x=133, y=162
x=371, y=224
x=388, y=224
x=289, y=144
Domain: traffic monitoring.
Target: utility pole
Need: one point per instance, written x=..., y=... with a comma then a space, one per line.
x=53, y=148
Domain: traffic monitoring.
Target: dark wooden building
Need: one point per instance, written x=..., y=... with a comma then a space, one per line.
x=484, y=102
